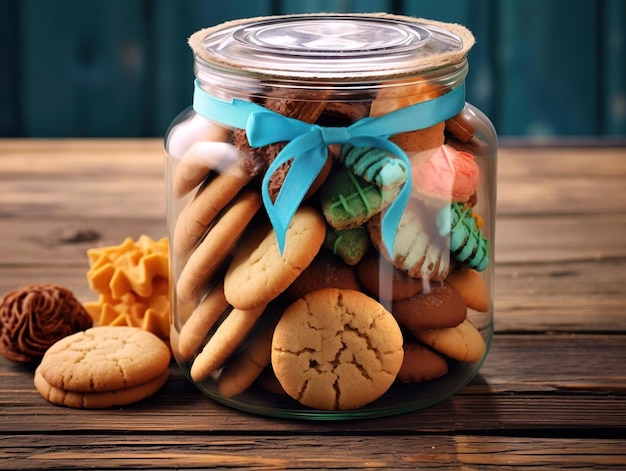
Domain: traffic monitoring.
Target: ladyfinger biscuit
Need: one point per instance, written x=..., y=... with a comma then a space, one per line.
x=199, y=160
x=196, y=217
x=217, y=245
x=228, y=336
x=202, y=319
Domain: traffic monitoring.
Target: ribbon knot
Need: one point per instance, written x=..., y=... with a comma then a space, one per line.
x=307, y=147
x=338, y=135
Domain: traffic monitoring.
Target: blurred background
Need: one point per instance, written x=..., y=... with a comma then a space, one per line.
x=542, y=70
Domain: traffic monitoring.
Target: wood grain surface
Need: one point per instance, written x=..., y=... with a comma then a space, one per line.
x=551, y=394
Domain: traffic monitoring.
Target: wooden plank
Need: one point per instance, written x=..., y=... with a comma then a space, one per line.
x=76, y=451
x=613, y=69
x=9, y=60
x=548, y=68
x=171, y=25
x=333, y=6
x=523, y=374
x=84, y=72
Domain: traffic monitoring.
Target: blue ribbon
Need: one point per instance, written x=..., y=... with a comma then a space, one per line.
x=307, y=146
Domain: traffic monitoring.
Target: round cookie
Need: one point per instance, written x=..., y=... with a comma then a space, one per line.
x=471, y=287
x=258, y=272
x=336, y=350
x=442, y=306
x=384, y=281
x=325, y=271
x=420, y=364
x=103, y=359
x=463, y=342
x=98, y=400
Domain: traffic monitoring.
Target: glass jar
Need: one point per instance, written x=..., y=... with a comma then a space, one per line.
x=331, y=204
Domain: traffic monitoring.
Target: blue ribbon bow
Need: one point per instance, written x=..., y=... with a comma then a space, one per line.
x=307, y=146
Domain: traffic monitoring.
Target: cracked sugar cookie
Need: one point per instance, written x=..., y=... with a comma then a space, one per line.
x=336, y=349
x=103, y=367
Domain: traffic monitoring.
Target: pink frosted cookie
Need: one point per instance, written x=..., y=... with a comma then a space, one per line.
x=449, y=174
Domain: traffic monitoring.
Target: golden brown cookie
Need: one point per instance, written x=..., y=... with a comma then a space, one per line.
x=471, y=286
x=442, y=306
x=229, y=335
x=258, y=272
x=199, y=213
x=242, y=370
x=210, y=153
x=420, y=140
x=200, y=322
x=217, y=245
x=121, y=364
x=336, y=349
x=420, y=364
x=463, y=342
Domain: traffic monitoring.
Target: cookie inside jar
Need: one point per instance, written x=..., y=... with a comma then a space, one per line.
x=332, y=229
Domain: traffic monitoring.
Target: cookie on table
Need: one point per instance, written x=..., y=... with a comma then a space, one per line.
x=336, y=349
x=258, y=272
x=103, y=367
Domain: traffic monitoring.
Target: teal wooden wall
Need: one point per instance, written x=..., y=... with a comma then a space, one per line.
x=122, y=68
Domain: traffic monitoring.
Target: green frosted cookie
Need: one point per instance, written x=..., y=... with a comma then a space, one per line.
x=349, y=244
x=349, y=201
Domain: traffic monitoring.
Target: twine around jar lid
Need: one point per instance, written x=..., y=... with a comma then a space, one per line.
x=331, y=46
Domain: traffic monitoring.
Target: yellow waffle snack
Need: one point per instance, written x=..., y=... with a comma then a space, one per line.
x=131, y=280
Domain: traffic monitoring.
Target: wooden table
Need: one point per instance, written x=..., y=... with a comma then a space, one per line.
x=551, y=394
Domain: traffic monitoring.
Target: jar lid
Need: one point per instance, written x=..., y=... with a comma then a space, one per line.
x=332, y=46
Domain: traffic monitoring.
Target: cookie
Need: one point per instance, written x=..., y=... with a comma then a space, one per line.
x=258, y=272
x=374, y=165
x=471, y=287
x=463, y=342
x=420, y=363
x=34, y=317
x=200, y=322
x=98, y=400
x=418, y=249
x=467, y=243
x=449, y=175
x=402, y=93
x=325, y=271
x=243, y=369
x=212, y=152
x=442, y=306
x=216, y=246
x=384, y=281
x=349, y=201
x=195, y=218
x=119, y=364
x=229, y=335
x=336, y=350
x=461, y=127
x=421, y=139
x=350, y=245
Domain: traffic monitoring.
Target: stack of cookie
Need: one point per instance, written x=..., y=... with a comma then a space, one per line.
x=335, y=319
